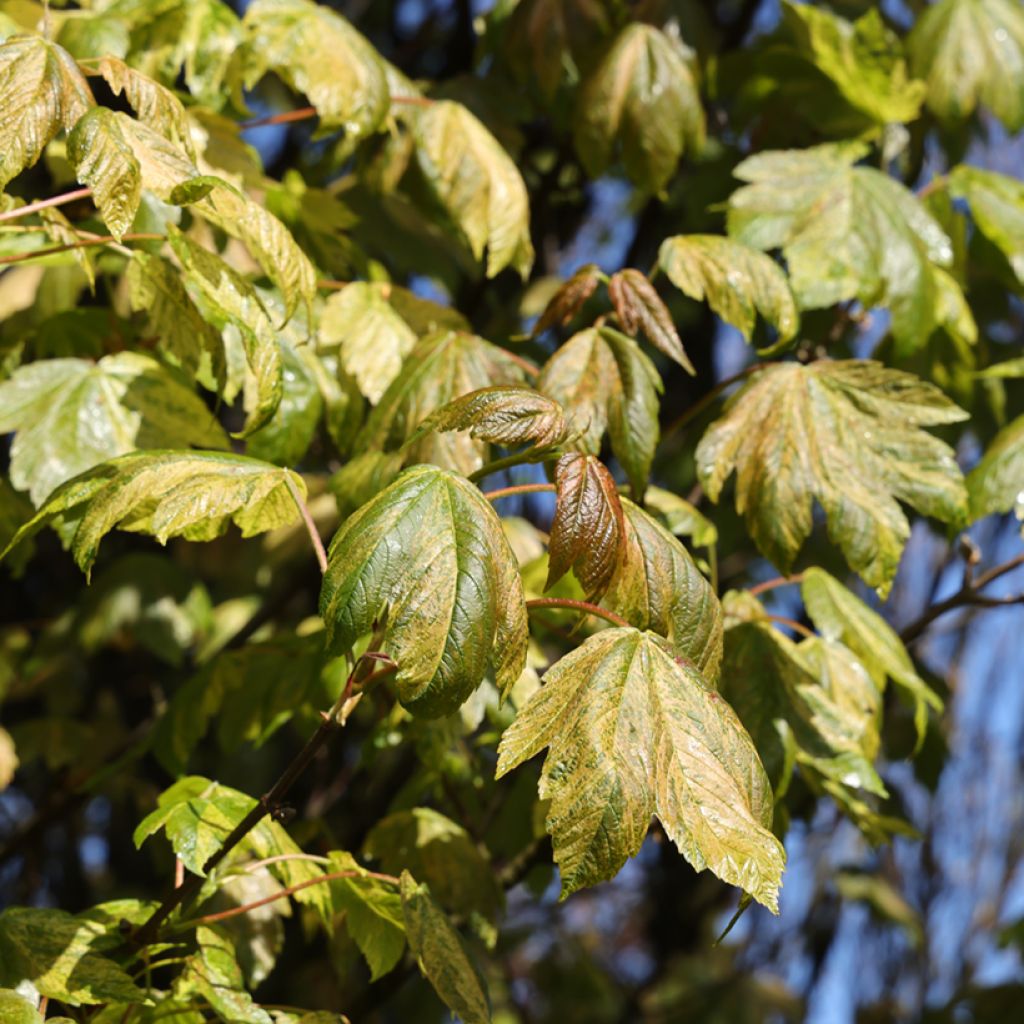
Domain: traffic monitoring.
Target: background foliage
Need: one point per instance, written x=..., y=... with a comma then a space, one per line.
x=574, y=324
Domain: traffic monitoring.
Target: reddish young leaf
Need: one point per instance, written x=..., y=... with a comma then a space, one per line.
x=639, y=307
x=569, y=299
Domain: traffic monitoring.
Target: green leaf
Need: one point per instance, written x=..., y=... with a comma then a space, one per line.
x=70, y=414
x=442, y=956
x=639, y=307
x=996, y=484
x=317, y=52
x=846, y=233
x=442, y=366
x=443, y=854
x=997, y=206
x=476, y=183
x=53, y=951
x=738, y=282
x=373, y=915
x=429, y=553
x=8, y=765
x=373, y=337
x=169, y=494
x=569, y=299
x=603, y=380
x=632, y=732
x=841, y=615
x=847, y=435
x=657, y=586
x=589, y=527
x=15, y=1009
x=678, y=516
x=503, y=414
x=971, y=52
x=43, y=91
x=642, y=101
x=15, y=511
x=104, y=161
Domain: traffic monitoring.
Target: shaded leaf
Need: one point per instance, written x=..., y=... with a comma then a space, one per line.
x=738, y=282
x=639, y=307
x=589, y=527
x=678, y=516
x=442, y=956
x=971, y=52
x=43, y=92
x=632, y=733
x=569, y=299
x=169, y=494
x=429, y=552
x=70, y=414
x=997, y=206
x=641, y=101
x=847, y=435
x=996, y=484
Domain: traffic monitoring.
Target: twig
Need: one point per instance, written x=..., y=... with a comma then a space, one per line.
x=307, y=518
x=517, y=459
x=701, y=404
x=507, y=492
x=43, y=204
x=305, y=113
x=24, y=257
x=793, y=624
x=579, y=606
x=778, y=581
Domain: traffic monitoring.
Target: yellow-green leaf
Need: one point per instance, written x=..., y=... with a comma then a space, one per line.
x=633, y=733
x=997, y=206
x=996, y=484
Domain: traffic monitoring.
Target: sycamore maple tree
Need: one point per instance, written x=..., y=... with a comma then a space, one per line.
x=358, y=342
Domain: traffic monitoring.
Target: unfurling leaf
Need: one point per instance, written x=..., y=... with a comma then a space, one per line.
x=738, y=282
x=603, y=380
x=169, y=494
x=634, y=733
x=70, y=414
x=846, y=232
x=428, y=556
x=846, y=434
x=43, y=91
x=569, y=299
x=589, y=527
x=476, y=183
x=502, y=414
x=658, y=587
x=442, y=955
x=639, y=307
x=842, y=616
x=642, y=101
x=971, y=52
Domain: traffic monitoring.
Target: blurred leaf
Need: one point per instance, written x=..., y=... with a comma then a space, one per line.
x=678, y=516
x=996, y=484
x=997, y=206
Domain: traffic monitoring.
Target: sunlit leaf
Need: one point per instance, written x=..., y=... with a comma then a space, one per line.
x=997, y=206
x=639, y=307
x=996, y=484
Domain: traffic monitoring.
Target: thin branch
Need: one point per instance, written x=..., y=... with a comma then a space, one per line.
x=701, y=404
x=799, y=627
x=579, y=606
x=307, y=518
x=277, y=858
x=525, y=365
x=24, y=257
x=332, y=876
x=969, y=595
x=44, y=204
x=516, y=459
x=305, y=113
x=333, y=286
x=506, y=492
x=778, y=581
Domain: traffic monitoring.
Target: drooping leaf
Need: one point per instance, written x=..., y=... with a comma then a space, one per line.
x=429, y=552
x=589, y=527
x=996, y=484
x=569, y=299
x=373, y=337
x=43, y=91
x=373, y=914
x=632, y=732
x=847, y=435
x=642, y=102
x=657, y=586
x=319, y=53
x=54, y=951
x=639, y=307
x=841, y=616
x=442, y=366
x=70, y=414
x=169, y=494
x=736, y=281
x=603, y=380
x=679, y=517
x=503, y=414
x=442, y=956
x=847, y=232
x=971, y=52
x=997, y=206
x=476, y=183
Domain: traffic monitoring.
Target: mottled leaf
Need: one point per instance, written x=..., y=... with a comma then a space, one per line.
x=633, y=732
x=642, y=102
x=569, y=299
x=639, y=307
x=429, y=552
x=736, y=281
x=847, y=435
